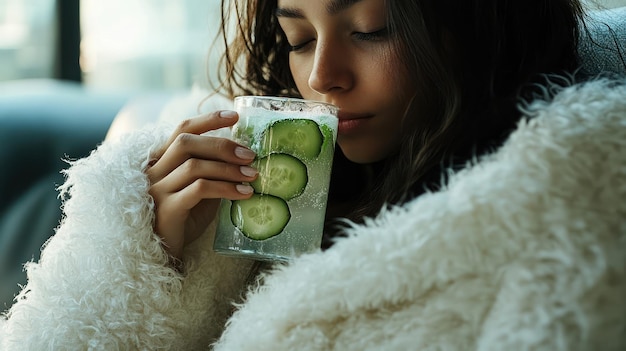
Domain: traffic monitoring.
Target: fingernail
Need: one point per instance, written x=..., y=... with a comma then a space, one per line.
x=228, y=114
x=244, y=189
x=244, y=153
x=248, y=171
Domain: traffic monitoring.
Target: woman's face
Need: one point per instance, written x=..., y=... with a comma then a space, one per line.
x=342, y=53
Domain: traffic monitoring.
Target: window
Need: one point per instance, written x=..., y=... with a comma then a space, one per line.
x=151, y=44
x=27, y=32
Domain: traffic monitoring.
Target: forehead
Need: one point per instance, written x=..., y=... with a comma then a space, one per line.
x=332, y=6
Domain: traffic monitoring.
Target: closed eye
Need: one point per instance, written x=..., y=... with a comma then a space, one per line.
x=372, y=36
x=300, y=47
x=380, y=34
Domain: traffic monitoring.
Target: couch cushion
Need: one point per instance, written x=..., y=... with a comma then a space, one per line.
x=603, y=48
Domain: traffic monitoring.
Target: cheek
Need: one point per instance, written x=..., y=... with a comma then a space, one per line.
x=389, y=97
x=300, y=73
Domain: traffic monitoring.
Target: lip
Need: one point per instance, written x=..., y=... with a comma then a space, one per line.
x=350, y=122
x=343, y=115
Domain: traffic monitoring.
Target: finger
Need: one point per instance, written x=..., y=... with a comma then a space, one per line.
x=174, y=209
x=201, y=124
x=180, y=203
x=194, y=168
x=190, y=146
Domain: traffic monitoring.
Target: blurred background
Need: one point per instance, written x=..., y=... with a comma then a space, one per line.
x=116, y=44
x=67, y=69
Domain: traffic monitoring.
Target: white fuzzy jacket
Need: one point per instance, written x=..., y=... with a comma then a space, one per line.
x=523, y=250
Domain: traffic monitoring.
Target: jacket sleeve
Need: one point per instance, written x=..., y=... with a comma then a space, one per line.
x=103, y=280
x=523, y=250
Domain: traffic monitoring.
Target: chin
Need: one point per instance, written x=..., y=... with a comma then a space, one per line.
x=362, y=155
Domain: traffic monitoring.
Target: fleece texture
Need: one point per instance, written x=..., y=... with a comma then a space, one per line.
x=104, y=281
x=525, y=249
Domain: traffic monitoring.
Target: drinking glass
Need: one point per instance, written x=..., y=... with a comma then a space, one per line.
x=294, y=140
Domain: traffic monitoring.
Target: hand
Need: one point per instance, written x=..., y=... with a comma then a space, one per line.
x=192, y=173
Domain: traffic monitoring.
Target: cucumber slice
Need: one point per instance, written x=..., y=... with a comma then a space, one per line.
x=299, y=137
x=261, y=216
x=329, y=137
x=280, y=175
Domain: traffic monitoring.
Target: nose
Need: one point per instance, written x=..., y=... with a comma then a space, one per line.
x=331, y=70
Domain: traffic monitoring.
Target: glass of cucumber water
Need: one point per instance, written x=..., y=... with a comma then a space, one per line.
x=295, y=141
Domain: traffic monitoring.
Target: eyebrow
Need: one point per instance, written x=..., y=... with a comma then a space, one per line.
x=332, y=7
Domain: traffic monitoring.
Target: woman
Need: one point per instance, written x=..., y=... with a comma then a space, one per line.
x=453, y=92
x=505, y=254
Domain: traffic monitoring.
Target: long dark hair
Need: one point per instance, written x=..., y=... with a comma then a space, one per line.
x=472, y=61
x=256, y=59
